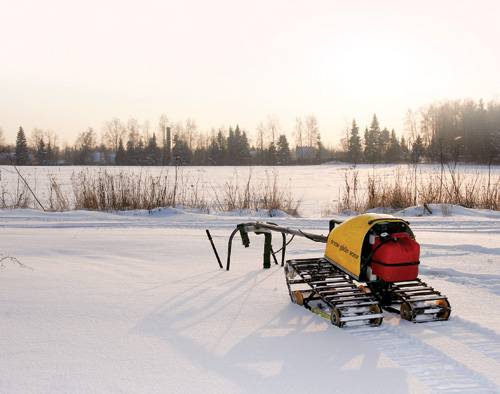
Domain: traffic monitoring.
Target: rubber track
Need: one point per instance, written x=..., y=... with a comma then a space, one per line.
x=333, y=288
x=416, y=293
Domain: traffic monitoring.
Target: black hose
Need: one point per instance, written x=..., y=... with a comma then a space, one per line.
x=286, y=244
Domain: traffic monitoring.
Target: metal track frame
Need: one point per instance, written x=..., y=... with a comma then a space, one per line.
x=415, y=300
x=324, y=289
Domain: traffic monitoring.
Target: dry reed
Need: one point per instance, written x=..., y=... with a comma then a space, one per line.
x=20, y=198
x=405, y=189
x=105, y=191
x=267, y=195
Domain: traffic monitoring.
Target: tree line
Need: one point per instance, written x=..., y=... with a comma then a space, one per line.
x=131, y=143
x=461, y=130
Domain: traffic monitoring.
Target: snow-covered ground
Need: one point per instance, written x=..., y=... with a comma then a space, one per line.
x=135, y=302
x=318, y=187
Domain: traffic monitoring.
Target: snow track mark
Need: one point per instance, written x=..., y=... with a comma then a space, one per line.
x=432, y=367
x=476, y=337
x=490, y=282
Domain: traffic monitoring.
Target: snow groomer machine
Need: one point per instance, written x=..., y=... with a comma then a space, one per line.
x=370, y=264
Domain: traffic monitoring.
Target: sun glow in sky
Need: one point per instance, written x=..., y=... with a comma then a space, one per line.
x=67, y=65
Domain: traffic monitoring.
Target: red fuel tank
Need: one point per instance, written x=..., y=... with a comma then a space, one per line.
x=396, y=259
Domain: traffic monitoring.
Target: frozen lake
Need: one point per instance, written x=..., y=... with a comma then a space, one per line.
x=317, y=187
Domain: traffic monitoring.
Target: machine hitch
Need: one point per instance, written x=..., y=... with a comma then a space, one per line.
x=266, y=229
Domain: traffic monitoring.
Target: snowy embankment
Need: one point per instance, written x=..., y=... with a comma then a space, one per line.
x=134, y=302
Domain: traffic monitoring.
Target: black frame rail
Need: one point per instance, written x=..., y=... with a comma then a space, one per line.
x=266, y=229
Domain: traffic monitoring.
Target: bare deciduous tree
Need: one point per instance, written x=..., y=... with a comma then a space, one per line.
x=51, y=138
x=86, y=140
x=273, y=127
x=146, y=131
x=134, y=135
x=178, y=131
x=261, y=131
x=190, y=130
x=299, y=132
x=411, y=126
x=114, y=130
x=36, y=136
x=311, y=130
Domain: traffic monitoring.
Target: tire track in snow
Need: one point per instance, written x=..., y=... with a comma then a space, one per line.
x=432, y=367
x=478, y=338
x=490, y=282
x=468, y=343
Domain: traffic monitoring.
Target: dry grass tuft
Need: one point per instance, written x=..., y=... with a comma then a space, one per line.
x=105, y=191
x=267, y=195
x=21, y=198
x=405, y=189
x=57, y=200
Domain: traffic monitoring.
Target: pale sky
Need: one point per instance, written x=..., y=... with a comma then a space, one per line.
x=67, y=65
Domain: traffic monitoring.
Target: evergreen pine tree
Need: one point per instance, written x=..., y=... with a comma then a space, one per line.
x=41, y=153
x=121, y=155
x=394, y=153
x=272, y=157
x=404, y=149
x=243, y=147
x=213, y=152
x=200, y=156
x=283, y=152
x=375, y=140
x=140, y=153
x=217, y=149
x=51, y=159
x=417, y=149
x=152, y=151
x=354, y=144
x=370, y=148
x=22, y=154
x=221, y=157
x=181, y=151
x=232, y=147
x=130, y=153
x=384, y=139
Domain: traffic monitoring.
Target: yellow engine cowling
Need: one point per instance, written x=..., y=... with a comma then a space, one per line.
x=345, y=241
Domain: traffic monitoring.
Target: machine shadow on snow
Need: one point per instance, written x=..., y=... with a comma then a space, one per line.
x=476, y=337
x=272, y=356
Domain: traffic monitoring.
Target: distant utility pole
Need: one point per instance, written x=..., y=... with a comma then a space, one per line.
x=164, y=149
x=167, y=146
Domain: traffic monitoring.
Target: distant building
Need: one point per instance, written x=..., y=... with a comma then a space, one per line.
x=305, y=153
x=98, y=157
x=102, y=157
x=111, y=157
x=7, y=157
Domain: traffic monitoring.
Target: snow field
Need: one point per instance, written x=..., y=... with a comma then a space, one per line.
x=133, y=302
